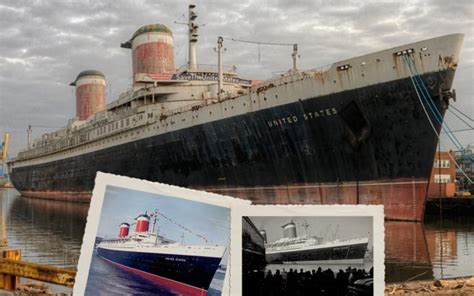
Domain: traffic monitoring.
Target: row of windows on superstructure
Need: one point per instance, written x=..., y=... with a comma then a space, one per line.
x=113, y=127
x=105, y=130
x=85, y=137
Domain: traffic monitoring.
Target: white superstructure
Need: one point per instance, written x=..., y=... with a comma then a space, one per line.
x=152, y=243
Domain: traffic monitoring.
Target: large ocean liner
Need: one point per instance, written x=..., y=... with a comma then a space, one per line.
x=354, y=132
x=308, y=249
x=182, y=268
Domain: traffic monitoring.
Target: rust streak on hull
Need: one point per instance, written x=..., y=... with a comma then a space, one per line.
x=403, y=198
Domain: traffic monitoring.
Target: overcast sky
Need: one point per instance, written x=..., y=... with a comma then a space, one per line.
x=45, y=44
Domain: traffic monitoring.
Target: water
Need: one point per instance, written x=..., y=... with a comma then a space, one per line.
x=46, y=232
x=50, y=232
x=433, y=250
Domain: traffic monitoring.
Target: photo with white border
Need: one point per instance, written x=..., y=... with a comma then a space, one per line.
x=326, y=249
x=146, y=237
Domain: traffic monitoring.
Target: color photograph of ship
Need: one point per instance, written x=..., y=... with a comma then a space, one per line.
x=176, y=247
x=358, y=131
x=277, y=259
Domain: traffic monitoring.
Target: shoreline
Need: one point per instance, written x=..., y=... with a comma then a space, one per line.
x=452, y=286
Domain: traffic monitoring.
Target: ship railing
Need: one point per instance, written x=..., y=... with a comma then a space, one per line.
x=184, y=108
x=320, y=69
x=280, y=74
x=123, y=98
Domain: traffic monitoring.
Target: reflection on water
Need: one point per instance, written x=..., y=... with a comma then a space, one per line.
x=451, y=246
x=430, y=250
x=46, y=232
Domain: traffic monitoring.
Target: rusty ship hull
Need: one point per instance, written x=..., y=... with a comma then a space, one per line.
x=353, y=140
x=241, y=155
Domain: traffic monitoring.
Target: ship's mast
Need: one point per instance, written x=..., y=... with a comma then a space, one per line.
x=220, y=42
x=295, y=57
x=154, y=221
x=193, y=38
x=335, y=233
x=305, y=226
x=29, y=132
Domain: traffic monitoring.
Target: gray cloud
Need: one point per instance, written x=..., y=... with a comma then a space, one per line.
x=45, y=44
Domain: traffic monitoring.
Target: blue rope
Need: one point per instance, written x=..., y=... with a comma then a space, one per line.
x=427, y=98
x=429, y=101
x=422, y=98
x=437, y=115
x=445, y=125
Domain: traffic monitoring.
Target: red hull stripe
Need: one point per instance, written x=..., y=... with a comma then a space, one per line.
x=171, y=284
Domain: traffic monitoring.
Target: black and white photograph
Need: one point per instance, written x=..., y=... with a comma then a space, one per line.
x=295, y=251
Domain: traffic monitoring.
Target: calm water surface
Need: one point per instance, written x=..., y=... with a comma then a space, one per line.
x=432, y=250
x=46, y=232
x=50, y=232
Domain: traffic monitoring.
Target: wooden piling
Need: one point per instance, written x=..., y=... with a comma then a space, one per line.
x=9, y=282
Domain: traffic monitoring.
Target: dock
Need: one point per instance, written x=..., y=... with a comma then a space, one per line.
x=450, y=206
x=12, y=268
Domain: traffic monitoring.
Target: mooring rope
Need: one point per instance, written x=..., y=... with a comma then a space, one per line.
x=407, y=61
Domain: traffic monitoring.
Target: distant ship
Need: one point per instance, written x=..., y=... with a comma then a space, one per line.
x=4, y=180
x=354, y=132
x=310, y=249
x=183, y=268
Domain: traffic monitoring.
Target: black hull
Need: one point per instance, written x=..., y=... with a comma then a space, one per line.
x=378, y=132
x=193, y=271
x=347, y=252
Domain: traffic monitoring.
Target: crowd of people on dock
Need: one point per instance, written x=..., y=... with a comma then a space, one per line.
x=301, y=283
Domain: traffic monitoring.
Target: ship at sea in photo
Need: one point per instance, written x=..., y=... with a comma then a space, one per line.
x=354, y=132
x=306, y=249
x=175, y=266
